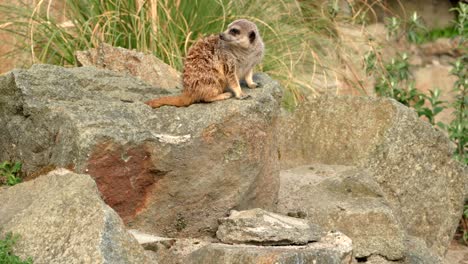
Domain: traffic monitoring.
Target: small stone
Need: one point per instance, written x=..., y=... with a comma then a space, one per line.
x=144, y=66
x=333, y=248
x=258, y=226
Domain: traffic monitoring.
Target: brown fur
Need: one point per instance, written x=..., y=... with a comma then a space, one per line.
x=216, y=63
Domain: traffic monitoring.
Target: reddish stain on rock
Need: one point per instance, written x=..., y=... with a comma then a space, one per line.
x=124, y=176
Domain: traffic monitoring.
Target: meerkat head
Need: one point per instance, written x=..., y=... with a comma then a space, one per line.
x=241, y=33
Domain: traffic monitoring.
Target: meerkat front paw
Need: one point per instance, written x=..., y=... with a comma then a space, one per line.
x=253, y=85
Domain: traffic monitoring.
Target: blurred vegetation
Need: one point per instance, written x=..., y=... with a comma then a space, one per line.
x=10, y=173
x=6, y=250
x=394, y=80
x=292, y=31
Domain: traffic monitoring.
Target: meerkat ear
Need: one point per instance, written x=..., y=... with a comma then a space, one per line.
x=252, y=36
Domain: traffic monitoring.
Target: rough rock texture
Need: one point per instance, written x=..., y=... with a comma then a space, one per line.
x=333, y=248
x=408, y=158
x=345, y=199
x=145, y=66
x=419, y=253
x=61, y=218
x=179, y=252
x=333, y=130
x=172, y=171
x=257, y=226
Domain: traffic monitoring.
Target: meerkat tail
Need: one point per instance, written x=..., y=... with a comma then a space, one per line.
x=179, y=100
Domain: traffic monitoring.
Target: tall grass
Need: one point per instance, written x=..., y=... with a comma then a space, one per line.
x=167, y=28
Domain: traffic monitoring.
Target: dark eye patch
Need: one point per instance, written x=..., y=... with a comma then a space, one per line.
x=234, y=31
x=252, y=36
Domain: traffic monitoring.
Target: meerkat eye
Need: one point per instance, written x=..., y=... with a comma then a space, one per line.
x=234, y=31
x=252, y=36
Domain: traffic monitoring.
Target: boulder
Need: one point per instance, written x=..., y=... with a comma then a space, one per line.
x=346, y=199
x=170, y=250
x=257, y=226
x=60, y=218
x=147, y=67
x=410, y=160
x=419, y=253
x=170, y=171
x=332, y=248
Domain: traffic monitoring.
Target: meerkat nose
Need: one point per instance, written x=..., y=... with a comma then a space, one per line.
x=221, y=36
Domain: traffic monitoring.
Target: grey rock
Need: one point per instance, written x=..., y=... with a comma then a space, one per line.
x=61, y=218
x=345, y=199
x=419, y=253
x=144, y=66
x=410, y=160
x=332, y=248
x=376, y=259
x=170, y=171
x=257, y=226
x=175, y=251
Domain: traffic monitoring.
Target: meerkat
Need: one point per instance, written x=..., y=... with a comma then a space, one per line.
x=215, y=64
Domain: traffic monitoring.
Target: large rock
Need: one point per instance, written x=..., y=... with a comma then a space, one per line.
x=144, y=66
x=410, y=160
x=334, y=248
x=172, y=171
x=61, y=218
x=346, y=199
x=257, y=226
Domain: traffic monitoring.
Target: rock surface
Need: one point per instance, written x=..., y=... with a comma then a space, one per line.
x=409, y=159
x=171, y=171
x=257, y=226
x=345, y=199
x=144, y=66
x=333, y=248
x=175, y=171
x=418, y=252
x=61, y=218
